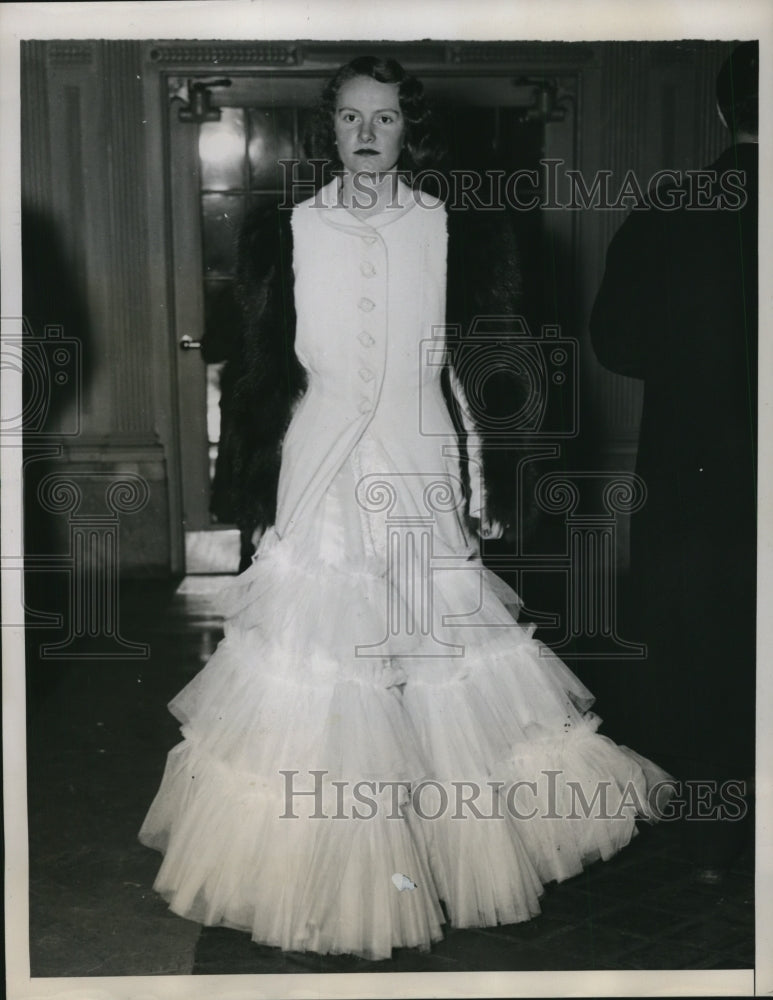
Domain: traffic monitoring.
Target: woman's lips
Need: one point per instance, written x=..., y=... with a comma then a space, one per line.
x=366, y=152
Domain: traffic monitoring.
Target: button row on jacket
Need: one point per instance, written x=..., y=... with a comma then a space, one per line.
x=368, y=269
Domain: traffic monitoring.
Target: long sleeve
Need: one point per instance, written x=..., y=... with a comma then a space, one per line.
x=485, y=292
x=477, y=503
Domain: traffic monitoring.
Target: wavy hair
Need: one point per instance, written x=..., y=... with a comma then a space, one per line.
x=422, y=149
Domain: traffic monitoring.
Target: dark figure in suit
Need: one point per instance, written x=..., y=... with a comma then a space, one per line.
x=678, y=309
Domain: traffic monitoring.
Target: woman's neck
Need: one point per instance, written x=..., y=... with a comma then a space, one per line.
x=366, y=194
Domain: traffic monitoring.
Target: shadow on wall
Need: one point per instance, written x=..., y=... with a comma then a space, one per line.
x=57, y=362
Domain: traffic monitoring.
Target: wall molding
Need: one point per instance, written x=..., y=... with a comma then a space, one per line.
x=222, y=54
x=109, y=452
x=231, y=53
x=70, y=54
x=35, y=123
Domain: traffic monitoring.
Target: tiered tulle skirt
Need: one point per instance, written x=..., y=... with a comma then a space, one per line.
x=339, y=737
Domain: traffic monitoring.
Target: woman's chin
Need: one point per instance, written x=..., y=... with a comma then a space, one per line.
x=365, y=166
x=371, y=166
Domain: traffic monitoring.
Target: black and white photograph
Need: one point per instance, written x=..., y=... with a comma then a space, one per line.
x=384, y=570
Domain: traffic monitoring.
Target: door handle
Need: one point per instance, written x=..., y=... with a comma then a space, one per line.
x=189, y=344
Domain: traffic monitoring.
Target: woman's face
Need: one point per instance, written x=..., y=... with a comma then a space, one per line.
x=369, y=126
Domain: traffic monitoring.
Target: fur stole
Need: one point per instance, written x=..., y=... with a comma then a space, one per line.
x=265, y=378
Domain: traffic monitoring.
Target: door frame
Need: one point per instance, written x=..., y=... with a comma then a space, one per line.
x=298, y=70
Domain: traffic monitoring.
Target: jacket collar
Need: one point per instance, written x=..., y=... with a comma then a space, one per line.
x=335, y=214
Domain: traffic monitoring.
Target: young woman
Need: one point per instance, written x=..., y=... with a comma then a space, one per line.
x=376, y=735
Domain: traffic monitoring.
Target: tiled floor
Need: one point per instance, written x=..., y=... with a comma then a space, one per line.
x=97, y=737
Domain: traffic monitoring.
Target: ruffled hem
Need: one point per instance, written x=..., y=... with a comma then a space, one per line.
x=235, y=855
x=478, y=776
x=254, y=850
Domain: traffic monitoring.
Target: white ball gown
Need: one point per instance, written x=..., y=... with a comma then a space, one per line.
x=370, y=659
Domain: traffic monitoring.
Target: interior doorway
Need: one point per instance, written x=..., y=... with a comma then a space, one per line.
x=221, y=168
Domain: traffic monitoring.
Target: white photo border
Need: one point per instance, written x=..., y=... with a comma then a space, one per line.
x=399, y=20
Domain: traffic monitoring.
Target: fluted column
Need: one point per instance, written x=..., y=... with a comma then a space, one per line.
x=126, y=306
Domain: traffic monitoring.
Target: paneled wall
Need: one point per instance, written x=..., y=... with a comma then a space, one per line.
x=95, y=207
x=86, y=247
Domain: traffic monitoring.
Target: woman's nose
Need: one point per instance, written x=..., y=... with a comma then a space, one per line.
x=366, y=132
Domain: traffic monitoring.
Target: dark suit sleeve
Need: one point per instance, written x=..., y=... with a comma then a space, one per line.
x=627, y=314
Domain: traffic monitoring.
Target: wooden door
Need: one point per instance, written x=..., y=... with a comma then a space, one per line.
x=220, y=169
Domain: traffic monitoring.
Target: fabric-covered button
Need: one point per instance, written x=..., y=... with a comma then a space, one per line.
x=365, y=405
x=367, y=268
x=366, y=375
x=368, y=240
x=365, y=339
x=367, y=305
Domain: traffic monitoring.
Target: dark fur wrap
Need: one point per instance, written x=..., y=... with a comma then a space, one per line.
x=263, y=377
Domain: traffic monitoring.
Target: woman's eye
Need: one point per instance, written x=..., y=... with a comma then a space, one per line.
x=386, y=119
x=349, y=117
